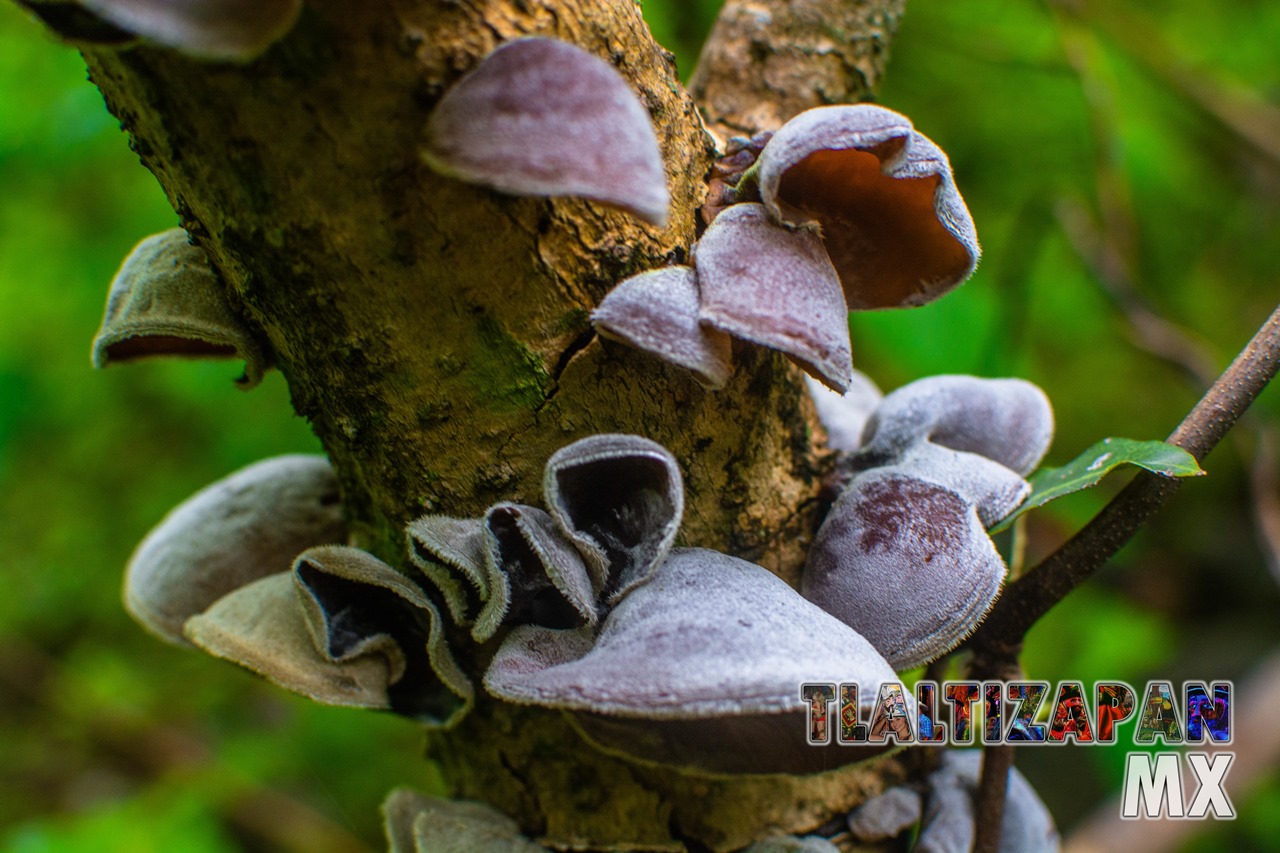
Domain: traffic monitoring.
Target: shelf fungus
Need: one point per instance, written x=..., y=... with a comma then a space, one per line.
x=342, y=628
x=167, y=301
x=700, y=667
x=450, y=553
x=417, y=823
x=903, y=556
x=657, y=311
x=543, y=117
x=881, y=194
x=775, y=287
x=233, y=30
x=619, y=500
x=243, y=527
x=844, y=416
x=950, y=814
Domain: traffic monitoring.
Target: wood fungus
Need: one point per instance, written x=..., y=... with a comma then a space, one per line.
x=417, y=823
x=451, y=553
x=543, y=117
x=775, y=287
x=235, y=30
x=167, y=301
x=882, y=196
x=844, y=416
x=342, y=628
x=705, y=657
x=241, y=528
x=657, y=311
x=619, y=500
x=903, y=556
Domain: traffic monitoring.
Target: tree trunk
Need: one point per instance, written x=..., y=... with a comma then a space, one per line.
x=436, y=334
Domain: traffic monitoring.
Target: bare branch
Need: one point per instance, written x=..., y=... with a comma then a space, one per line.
x=1032, y=595
x=768, y=60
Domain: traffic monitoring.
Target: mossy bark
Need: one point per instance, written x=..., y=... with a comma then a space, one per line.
x=436, y=336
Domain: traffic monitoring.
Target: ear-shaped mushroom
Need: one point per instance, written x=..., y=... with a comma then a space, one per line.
x=657, y=311
x=619, y=500
x=416, y=823
x=950, y=814
x=243, y=527
x=885, y=816
x=844, y=416
x=343, y=628
x=706, y=657
x=77, y=25
x=451, y=552
x=906, y=562
x=775, y=287
x=208, y=29
x=167, y=301
x=543, y=580
x=894, y=223
x=793, y=844
x=1009, y=421
x=543, y=117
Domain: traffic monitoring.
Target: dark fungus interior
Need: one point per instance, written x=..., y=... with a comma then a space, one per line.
x=354, y=611
x=144, y=346
x=623, y=504
x=534, y=599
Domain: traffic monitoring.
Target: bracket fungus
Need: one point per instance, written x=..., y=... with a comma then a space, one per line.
x=241, y=528
x=844, y=416
x=883, y=197
x=903, y=555
x=775, y=287
x=657, y=311
x=450, y=552
x=167, y=301
x=236, y=30
x=543, y=117
x=619, y=500
x=700, y=667
x=417, y=823
x=950, y=812
x=343, y=628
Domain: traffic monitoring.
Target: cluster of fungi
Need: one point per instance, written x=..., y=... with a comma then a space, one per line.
x=673, y=655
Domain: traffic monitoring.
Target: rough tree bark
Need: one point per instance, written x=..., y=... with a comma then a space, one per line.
x=435, y=334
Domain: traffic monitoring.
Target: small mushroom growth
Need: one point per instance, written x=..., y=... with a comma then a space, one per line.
x=167, y=301
x=234, y=30
x=843, y=208
x=903, y=556
x=543, y=117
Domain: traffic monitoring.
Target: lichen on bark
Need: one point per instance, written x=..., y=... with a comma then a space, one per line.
x=435, y=334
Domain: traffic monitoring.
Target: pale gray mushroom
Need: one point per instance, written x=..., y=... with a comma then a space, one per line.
x=775, y=287
x=417, y=823
x=243, y=527
x=886, y=815
x=906, y=562
x=543, y=117
x=343, y=628
x=793, y=844
x=539, y=578
x=237, y=30
x=883, y=197
x=1009, y=421
x=167, y=301
x=700, y=667
x=845, y=416
x=657, y=311
x=950, y=814
x=452, y=553
x=619, y=500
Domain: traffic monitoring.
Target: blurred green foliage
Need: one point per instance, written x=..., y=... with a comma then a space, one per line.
x=1122, y=162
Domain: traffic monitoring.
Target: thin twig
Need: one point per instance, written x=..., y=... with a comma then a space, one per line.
x=997, y=761
x=1032, y=595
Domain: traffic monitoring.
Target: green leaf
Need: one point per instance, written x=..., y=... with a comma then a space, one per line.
x=1087, y=469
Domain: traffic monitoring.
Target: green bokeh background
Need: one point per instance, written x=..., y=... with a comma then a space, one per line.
x=1135, y=114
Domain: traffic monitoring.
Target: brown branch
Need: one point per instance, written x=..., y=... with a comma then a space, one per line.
x=768, y=60
x=997, y=762
x=1031, y=596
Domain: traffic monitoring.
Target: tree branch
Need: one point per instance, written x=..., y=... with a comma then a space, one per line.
x=1032, y=595
x=768, y=60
